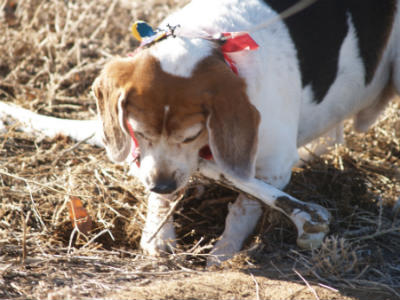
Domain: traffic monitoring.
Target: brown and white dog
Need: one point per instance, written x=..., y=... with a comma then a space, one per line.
x=334, y=60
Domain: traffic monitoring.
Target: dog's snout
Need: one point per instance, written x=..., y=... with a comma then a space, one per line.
x=163, y=186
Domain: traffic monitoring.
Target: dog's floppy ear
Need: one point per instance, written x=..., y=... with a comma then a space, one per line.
x=110, y=99
x=233, y=126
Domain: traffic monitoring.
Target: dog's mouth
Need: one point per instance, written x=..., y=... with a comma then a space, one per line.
x=164, y=186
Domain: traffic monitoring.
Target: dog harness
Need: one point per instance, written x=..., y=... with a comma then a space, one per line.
x=230, y=42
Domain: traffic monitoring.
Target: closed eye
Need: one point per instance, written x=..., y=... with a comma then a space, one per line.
x=141, y=135
x=192, y=138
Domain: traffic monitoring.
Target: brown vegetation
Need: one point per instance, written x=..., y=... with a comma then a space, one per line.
x=50, y=52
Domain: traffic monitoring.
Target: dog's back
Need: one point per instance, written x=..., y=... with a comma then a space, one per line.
x=333, y=59
x=348, y=56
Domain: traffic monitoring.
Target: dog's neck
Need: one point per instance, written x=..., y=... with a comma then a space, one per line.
x=179, y=56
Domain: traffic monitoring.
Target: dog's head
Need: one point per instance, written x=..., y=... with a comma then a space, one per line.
x=174, y=117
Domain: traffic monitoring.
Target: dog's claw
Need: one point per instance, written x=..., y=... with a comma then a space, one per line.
x=157, y=247
x=312, y=225
x=222, y=251
x=310, y=241
x=163, y=242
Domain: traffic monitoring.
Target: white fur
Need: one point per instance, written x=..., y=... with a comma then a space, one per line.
x=179, y=56
x=45, y=126
x=316, y=216
x=152, y=242
x=240, y=222
x=342, y=97
x=289, y=116
x=166, y=155
x=190, y=132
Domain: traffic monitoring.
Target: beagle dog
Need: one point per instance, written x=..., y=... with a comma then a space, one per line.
x=176, y=107
x=333, y=60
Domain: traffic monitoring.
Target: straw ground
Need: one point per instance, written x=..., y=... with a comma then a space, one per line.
x=50, y=53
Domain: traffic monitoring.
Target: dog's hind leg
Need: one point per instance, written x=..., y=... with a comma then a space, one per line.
x=366, y=117
x=321, y=145
x=396, y=60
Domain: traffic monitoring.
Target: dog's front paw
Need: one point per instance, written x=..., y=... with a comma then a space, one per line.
x=313, y=226
x=161, y=243
x=223, y=250
x=312, y=220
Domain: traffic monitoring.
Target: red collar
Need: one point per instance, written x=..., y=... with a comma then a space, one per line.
x=135, y=148
x=236, y=42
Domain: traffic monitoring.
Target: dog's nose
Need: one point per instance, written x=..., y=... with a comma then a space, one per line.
x=163, y=187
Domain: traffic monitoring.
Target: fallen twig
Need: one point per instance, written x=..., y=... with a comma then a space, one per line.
x=167, y=216
x=308, y=285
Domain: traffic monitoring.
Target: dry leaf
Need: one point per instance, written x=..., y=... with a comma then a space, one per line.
x=79, y=216
x=9, y=12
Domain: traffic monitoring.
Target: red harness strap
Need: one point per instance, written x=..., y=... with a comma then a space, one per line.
x=135, y=148
x=236, y=42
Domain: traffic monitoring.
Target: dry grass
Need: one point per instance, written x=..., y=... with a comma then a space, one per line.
x=50, y=52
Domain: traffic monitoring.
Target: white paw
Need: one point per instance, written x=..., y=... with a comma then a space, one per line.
x=223, y=250
x=163, y=242
x=310, y=241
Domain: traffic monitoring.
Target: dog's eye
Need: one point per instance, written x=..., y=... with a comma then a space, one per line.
x=192, y=138
x=141, y=135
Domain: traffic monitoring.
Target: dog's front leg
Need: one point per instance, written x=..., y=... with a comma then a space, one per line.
x=310, y=219
x=156, y=240
x=242, y=217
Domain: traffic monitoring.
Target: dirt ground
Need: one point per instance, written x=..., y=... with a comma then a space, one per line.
x=50, y=53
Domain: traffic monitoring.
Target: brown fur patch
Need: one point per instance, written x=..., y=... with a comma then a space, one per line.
x=212, y=93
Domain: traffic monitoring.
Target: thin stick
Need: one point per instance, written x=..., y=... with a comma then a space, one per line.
x=192, y=249
x=32, y=181
x=378, y=233
x=98, y=235
x=302, y=4
x=257, y=286
x=105, y=20
x=71, y=237
x=279, y=271
x=72, y=148
x=380, y=214
x=328, y=287
x=34, y=208
x=167, y=216
x=27, y=181
x=25, y=229
x=308, y=285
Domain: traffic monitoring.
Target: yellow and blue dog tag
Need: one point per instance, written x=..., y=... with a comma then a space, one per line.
x=146, y=35
x=141, y=29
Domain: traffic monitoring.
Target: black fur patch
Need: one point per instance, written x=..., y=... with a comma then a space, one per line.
x=319, y=30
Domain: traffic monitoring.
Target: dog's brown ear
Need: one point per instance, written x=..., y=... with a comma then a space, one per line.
x=233, y=127
x=110, y=99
